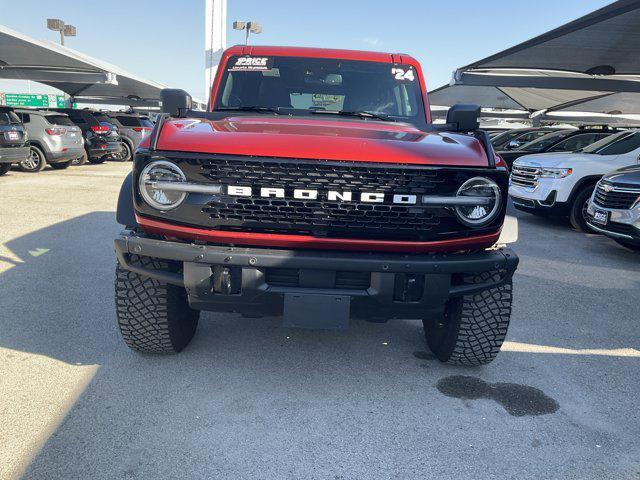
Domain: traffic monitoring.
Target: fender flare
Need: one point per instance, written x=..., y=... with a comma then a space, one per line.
x=125, y=214
x=583, y=182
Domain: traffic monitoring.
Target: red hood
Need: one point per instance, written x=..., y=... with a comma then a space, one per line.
x=360, y=141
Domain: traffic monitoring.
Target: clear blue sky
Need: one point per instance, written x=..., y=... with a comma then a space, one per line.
x=163, y=40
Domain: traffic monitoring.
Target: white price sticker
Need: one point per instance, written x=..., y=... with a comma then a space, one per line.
x=252, y=63
x=403, y=74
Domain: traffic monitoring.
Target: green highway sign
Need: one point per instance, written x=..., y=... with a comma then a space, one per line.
x=35, y=100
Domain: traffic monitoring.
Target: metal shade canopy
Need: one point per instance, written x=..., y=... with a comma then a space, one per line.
x=623, y=103
x=604, y=42
x=597, y=52
x=590, y=64
x=530, y=99
x=75, y=73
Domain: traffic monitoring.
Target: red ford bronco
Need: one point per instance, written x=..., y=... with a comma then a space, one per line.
x=315, y=188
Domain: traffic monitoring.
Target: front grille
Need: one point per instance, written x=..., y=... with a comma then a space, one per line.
x=321, y=217
x=619, y=199
x=344, y=280
x=525, y=176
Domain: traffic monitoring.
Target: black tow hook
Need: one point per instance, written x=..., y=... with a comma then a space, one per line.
x=227, y=280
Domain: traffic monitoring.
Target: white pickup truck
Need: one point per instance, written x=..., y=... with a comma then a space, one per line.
x=561, y=184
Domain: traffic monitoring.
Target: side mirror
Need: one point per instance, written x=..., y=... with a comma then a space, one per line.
x=513, y=144
x=463, y=117
x=175, y=102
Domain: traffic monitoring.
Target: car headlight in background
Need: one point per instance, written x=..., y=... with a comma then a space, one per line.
x=555, y=172
x=485, y=200
x=156, y=182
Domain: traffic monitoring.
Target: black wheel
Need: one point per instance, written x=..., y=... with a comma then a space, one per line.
x=35, y=162
x=4, y=168
x=474, y=326
x=82, y=160
x=628, y=244
x=60, y=165
x=578, y=213
x=153, y=316
x=98, y=160
x=124, y=155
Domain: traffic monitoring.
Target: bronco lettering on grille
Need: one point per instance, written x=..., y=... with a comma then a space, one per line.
x=312, y=194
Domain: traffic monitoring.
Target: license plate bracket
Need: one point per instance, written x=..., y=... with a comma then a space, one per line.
x=600, y=217
x=316, y=311
x=13, y=136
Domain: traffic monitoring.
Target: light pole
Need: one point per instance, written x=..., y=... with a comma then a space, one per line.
x=249, y=27
x=58, y=25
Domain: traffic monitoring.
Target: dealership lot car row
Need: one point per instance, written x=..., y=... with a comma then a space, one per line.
x=596, y=187
x=33, y=139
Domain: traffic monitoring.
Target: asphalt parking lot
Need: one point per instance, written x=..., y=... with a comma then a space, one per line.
x=249, y=399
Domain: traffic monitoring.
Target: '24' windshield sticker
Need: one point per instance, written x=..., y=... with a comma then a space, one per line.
x=403, y=74
x=251, y=63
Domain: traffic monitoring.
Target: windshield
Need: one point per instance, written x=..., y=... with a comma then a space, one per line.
x=599, y=146
x=542, y=143
x=60, y=120
x=504, y=137
x=7, y=117
x=300, y=86
x=102, y=118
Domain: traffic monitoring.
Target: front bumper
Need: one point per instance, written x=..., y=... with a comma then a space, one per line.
x=546, y=193
x=13, y=154
x=622, y=224
x=548, y=206
x=541, y=192
x=398, y=285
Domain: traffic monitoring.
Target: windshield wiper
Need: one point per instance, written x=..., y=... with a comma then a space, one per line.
x=360, y=114
x=252, y=108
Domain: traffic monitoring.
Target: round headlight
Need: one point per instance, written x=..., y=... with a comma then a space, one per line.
x=484, y=201
x=155, y=185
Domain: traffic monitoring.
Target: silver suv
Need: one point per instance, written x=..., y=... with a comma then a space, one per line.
x=132, y=128
x=614, y=208
x=54, y=139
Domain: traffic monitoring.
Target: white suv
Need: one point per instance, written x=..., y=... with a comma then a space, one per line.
x=562, y=183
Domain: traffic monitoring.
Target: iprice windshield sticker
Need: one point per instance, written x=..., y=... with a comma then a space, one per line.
x=251, y=63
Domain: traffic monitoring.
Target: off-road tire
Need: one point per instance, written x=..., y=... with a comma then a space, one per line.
x=61, y=165
x=474, y=326
x=4, y=168
x=98, y=160
x=577, y=214
x=153, y=316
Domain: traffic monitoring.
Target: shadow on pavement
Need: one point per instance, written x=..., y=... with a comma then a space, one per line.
x=248, y=398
